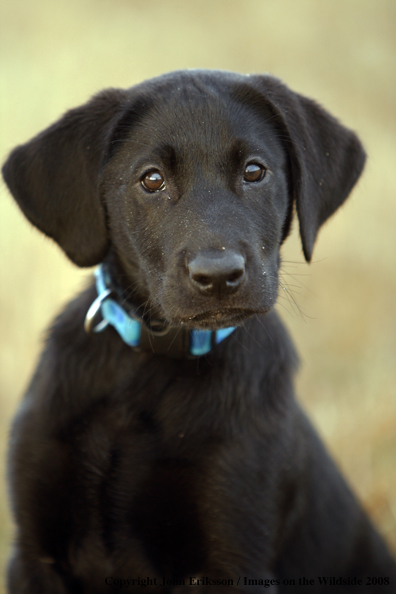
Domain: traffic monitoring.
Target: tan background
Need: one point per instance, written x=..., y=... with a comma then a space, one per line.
x=341, y=310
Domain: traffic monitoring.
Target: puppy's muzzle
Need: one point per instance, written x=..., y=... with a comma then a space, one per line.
x=218, y=273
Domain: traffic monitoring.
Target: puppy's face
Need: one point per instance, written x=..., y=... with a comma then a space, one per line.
x=191, y=180
x=198, y=200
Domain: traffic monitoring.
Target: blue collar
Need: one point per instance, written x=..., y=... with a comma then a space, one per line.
x=171, y=341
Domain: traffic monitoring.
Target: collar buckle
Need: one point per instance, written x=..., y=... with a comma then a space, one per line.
x=93, y=311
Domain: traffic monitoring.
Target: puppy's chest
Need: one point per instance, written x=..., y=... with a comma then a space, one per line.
x=123, y=449
x=152, y=479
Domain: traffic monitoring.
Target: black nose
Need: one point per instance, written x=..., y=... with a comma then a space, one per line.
x=219, y=273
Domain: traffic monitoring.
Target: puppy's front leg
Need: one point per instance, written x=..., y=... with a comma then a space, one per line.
x=27, y=576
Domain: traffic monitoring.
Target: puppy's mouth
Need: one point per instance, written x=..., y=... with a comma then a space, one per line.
x=216, y=319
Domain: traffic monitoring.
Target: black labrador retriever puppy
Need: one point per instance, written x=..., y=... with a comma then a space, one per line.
x=159, y=444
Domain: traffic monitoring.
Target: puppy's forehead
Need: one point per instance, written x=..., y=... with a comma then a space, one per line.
x=206, y=116
x=186, y=112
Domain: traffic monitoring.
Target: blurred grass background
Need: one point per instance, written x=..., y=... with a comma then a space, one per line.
x=341, y=310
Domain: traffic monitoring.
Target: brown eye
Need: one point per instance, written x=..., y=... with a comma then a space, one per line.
x=153, y=181
x=253, y=172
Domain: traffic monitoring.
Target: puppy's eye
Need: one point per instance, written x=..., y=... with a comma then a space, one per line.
x=253, y=172
x=153, y=181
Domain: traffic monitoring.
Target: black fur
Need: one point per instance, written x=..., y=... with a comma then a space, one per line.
x=125, y=464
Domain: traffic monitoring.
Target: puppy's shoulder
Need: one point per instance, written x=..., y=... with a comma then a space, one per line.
x=75, y=369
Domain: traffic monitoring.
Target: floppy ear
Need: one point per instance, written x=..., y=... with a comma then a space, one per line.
x=326, y=158
x=55, y=177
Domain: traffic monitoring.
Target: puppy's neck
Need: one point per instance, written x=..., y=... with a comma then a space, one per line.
x=131, y=286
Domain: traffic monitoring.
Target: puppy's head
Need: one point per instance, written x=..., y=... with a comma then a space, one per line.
x=190, y=180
